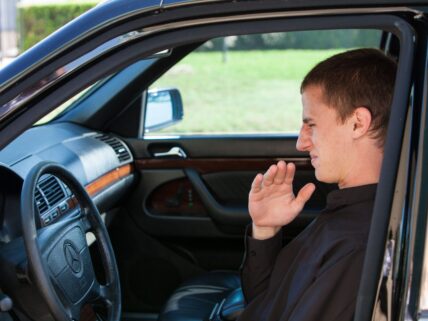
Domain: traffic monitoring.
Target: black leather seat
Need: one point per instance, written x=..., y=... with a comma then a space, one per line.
x=211, y=296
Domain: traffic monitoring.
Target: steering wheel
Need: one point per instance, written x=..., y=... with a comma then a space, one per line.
x=59, y=261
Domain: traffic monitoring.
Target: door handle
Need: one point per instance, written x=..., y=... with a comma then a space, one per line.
x=173, y=152
x=222, y=214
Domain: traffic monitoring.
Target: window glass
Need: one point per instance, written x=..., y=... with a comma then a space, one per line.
x=250, y=84
x=102, y=90
x=63, y=107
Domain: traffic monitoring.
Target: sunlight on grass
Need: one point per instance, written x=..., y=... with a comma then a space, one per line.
x=253, y=92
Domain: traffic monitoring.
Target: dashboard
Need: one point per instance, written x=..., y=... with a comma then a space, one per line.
x=101, y=162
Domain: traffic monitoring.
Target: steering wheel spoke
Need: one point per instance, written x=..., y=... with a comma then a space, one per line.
x=102, y=299
x=86, y=224
x=102, y=294
x=74, y=311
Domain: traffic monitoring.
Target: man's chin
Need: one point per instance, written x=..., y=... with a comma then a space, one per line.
x=323, y=177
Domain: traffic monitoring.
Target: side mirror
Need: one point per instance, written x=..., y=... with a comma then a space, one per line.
x=163, y=108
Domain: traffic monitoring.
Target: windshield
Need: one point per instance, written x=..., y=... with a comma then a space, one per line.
x=67, y=105
x=101, y=92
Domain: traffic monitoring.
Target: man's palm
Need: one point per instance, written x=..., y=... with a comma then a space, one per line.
x=272, y=202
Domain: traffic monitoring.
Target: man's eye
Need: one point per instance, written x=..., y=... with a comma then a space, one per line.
x=311, y=125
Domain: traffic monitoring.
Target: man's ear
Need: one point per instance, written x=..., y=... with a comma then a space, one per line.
x=362, y=120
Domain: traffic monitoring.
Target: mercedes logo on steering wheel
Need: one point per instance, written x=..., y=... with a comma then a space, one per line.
x=72, y=256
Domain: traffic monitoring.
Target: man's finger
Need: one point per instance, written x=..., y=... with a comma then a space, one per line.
x=256, y=186
x=305, y=194
x=280, y=174
x=289, y=176
x=270, y=175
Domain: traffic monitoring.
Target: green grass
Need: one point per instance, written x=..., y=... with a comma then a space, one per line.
x=252, y=92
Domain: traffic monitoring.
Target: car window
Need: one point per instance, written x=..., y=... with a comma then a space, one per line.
x=100, y=92
x=249, y=84
x=63, y=107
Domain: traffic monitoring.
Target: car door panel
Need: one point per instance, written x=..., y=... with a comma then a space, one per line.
x=207, y=196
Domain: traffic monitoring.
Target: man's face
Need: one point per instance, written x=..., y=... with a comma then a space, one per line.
x=325, y=137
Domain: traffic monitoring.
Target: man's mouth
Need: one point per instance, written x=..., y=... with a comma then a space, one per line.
x=314, y=160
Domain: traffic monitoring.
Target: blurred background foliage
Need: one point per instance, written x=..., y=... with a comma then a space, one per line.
x=36, y=21
x=323, y=39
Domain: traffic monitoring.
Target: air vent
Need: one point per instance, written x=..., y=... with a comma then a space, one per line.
x=52, y=190
x=118, y=147
x=40, y=201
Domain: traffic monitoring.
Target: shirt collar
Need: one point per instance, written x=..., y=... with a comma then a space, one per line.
x=350, y=195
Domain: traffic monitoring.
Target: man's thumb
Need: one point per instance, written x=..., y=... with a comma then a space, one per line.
x=305, y=194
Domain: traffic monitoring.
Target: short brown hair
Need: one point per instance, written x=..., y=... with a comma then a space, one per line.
x=357, y=78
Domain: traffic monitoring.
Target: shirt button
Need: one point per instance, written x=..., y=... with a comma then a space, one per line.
x=252, y=253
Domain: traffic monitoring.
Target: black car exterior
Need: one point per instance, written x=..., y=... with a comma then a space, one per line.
x=117, y=34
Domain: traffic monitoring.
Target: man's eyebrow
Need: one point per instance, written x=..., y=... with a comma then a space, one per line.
x=307, y=120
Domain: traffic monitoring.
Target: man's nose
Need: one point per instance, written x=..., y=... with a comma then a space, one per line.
x=303, y=143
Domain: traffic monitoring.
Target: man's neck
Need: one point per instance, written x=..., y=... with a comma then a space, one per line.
x=365, y=168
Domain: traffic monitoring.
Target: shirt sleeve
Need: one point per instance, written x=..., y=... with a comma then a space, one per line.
x=258, y=262
x=339, y=284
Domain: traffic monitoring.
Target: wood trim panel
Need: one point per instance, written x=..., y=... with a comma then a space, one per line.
x=92, y=189
x=111, y=177
x=209, y=165
x=176, y=198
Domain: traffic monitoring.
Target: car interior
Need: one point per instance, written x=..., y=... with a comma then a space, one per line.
x=168, y=166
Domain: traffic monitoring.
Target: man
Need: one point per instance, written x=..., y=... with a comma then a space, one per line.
x=346, y=103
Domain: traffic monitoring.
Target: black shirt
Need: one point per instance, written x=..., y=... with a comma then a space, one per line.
x=316, y=276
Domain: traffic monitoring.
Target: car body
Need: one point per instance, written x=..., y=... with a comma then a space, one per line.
x=174, y=205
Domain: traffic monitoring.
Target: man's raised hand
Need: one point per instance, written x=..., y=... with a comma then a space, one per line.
x=272, y=203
